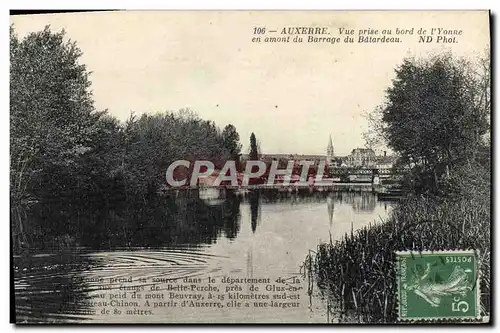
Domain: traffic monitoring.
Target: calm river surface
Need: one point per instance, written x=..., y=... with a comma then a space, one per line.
x=256, y=236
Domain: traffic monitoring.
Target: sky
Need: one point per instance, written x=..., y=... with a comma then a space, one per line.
x=291, y=95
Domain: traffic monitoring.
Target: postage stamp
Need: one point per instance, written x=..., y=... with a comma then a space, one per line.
x=438, y=285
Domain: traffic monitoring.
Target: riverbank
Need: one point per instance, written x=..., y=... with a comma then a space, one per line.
x=357, y=272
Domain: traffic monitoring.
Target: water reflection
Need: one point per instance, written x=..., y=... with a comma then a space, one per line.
x=178, y=219
x=254, y=234
x=254, y=199
x=330, y=205
x=366, y=202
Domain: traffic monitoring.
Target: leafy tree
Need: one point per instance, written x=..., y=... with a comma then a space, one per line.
x=231, y=141
x=51, y=118
x=254, y=152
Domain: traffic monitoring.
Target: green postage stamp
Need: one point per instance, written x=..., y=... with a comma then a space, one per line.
x=438, y=285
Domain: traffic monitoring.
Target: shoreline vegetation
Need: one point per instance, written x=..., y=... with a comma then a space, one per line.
x=436, y=118
x=78, y=175
x=357, y=273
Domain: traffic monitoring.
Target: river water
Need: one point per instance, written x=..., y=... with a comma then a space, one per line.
x=255, y=236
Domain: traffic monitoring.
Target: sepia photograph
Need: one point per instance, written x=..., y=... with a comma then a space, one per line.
x=250, y=167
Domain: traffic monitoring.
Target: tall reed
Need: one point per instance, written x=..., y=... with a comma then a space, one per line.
x=357, y=272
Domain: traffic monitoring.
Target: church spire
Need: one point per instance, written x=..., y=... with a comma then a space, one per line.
x=330, y=144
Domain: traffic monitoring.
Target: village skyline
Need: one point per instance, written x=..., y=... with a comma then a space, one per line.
x=381, y=151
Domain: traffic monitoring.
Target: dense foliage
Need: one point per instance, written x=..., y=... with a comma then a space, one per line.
x=67, y=158
x=436, y=118
x=254, y=150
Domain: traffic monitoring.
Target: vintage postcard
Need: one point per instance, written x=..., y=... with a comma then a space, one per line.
x=250, y=167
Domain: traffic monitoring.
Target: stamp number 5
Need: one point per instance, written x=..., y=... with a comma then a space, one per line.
x=459, y=305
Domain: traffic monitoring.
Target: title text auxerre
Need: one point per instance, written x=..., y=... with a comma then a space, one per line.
x=304, y=31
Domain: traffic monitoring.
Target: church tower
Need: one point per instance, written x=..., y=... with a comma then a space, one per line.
x=330, y=153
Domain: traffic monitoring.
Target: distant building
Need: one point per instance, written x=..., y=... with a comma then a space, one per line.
x=291, y=157
x=384, y=161
x=339, y=162
x=358, y=158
